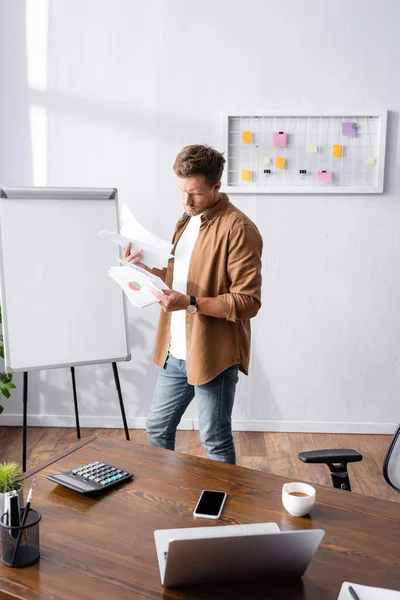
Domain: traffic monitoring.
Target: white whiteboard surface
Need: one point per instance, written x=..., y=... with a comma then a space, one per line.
x=307, y=152
x=60, y=307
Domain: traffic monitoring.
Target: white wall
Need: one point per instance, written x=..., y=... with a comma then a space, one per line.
x=111, y=92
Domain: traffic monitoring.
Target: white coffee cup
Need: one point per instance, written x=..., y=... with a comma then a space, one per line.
x=301, y=502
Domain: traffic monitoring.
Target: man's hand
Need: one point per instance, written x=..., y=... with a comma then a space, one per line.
x=134, y=258
x=171, y=300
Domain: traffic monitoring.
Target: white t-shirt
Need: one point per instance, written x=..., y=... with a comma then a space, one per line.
x=183, y=253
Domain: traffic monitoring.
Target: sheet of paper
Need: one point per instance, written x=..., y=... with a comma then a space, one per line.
x=349, y=129
x=136, y=285
x=131, y=228
x=367, y=593
x=324, y=176
x=153, y=281
x=337, y=150
x=279, y=139
x=246, y=137
x=152, y=257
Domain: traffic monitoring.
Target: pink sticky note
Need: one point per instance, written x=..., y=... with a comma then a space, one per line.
x=324, y=176
x=279, y=139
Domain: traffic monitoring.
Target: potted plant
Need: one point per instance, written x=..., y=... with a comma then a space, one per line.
x=6, y=382
x=10, y=479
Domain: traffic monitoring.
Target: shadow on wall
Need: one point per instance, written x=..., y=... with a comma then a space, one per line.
x=262, y=401
x=96, y=389
x=392, y=166
x=15, y=142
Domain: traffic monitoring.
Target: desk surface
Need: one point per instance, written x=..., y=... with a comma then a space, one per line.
x=104, y=548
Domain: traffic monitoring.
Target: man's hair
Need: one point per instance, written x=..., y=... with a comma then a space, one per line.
x=200, y=160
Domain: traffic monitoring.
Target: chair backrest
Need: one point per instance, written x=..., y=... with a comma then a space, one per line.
x=391, y=465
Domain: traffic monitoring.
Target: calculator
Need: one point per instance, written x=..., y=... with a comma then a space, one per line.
x=93, y=477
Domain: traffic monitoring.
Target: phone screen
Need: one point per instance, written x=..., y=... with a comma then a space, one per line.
x=210, y=503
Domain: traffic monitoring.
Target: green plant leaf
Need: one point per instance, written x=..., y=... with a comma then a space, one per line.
x=5, y=392
x=10, y=475
x=2, y=351
x=1, y=409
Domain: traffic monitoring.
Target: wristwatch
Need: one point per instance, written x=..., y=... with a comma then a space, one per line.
x=192, y=308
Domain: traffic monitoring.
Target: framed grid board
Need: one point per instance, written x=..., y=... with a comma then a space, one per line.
x=291, y=152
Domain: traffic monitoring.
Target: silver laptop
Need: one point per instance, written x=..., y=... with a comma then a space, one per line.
x=196, y=555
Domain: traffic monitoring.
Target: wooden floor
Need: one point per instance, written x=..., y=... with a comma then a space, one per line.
x=269, y=452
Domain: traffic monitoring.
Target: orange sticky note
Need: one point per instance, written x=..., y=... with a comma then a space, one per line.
x=246, y=137
x=337, y=150
x=280, y=162
x=246, y=175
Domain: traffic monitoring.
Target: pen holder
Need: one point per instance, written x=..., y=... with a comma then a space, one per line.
x=27, y=538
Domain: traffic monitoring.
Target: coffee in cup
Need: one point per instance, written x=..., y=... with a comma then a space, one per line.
x=298, y=498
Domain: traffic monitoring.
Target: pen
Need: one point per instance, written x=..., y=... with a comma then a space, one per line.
x=24, y=516
x=353, y=593
x=14, y=512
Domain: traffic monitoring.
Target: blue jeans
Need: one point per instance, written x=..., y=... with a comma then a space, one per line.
x=173, y=395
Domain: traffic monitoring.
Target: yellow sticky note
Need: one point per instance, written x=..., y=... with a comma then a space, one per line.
x=246, y=137
x=246, y=175
x=280, y=162
x=337, y=150
x=267, y=160
x=314, y=148
x=371, y=161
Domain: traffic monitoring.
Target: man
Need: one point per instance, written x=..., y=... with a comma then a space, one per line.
x=203, y=335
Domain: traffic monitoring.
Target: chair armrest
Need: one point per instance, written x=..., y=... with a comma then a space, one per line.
x=330, y=456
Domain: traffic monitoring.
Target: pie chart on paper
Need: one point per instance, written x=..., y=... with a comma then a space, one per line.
x=135, y=286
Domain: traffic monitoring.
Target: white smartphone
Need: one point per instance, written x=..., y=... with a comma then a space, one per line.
x=210, y=504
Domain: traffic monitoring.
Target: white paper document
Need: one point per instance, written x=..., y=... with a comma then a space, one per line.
x=137, y=284
x=132, y=229
x=366, y=592
x=152, y=257
x=156, y=251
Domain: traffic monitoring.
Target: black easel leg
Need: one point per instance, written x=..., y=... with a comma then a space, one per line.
x=24, y=419
x=78, y=429
x=121, y=402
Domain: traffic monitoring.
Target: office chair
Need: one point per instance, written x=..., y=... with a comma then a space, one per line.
x=337, y=461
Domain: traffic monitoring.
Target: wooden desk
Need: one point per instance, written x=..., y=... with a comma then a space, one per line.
x=104, y=548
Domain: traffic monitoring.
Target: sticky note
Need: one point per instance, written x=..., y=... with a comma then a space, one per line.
x=337, y=150
x=371, y=161
x=314, y=148
x=279, y=139
x=246, y=137
x=280, y=162
x=324, y=176
x=246, y=175
x=267, y=160
x=349, y=129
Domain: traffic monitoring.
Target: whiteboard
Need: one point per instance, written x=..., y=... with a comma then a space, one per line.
x=314, y=153
x=60, y=307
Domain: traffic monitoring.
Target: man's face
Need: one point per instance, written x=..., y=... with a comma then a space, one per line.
x=197, y=194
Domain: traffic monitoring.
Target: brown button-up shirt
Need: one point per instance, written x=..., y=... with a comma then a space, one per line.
x=225, y=263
